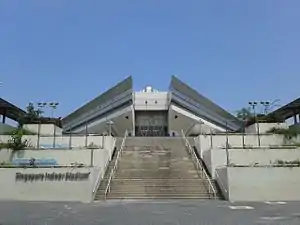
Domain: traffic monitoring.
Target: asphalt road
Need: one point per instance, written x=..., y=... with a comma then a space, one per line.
x=149, y=212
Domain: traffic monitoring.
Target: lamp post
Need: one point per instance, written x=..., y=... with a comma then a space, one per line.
x=253, y=104
x=53, y=106
x=266, y=105
x=110, y=123
x=227, y=144
x=40, y=105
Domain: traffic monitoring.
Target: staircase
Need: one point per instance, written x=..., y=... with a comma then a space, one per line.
x=156, y=167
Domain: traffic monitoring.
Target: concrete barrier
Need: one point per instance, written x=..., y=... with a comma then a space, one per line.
x=259, y=183
x=65, y=141
x=48, y=184
x=216, y=158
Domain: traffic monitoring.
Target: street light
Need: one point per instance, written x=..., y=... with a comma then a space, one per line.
x=266, y=105
x=110, y=123
x=253, y=104
x=53, y=106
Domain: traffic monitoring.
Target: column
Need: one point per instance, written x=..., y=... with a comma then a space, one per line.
x=295, y=118
x=3, y=118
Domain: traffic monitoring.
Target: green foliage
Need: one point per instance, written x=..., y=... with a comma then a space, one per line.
x=32, y=112
x=6, y=165
x=288, y=133
x=32, y=115
x=3, y=145
x=24, y=132
x=261, y=118
x=244, y=114
x=16, y=142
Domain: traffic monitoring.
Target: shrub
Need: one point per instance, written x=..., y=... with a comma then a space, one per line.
x=16, y=142
x=3, y=145
x=288, y=133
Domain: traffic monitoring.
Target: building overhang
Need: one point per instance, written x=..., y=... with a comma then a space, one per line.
x=289, y=110
x=11, y=111
x=114, y=99
x=189, y=99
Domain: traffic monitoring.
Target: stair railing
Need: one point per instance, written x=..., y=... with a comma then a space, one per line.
x=107, y=189
x=100, y=177
x=199, y=166
x=223, y=187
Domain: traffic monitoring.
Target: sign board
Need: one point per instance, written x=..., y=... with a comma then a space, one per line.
x=32, y=177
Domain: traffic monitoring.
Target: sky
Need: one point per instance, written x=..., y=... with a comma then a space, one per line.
x=230, y=51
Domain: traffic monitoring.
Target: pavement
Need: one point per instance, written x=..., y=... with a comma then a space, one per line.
x=185, y=212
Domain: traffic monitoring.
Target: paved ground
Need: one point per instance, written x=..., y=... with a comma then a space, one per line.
x=149, y=212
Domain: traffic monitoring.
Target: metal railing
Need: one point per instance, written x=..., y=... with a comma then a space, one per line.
x=199, y=166
x=221, y=181
x=107, y=189
x=100, y=177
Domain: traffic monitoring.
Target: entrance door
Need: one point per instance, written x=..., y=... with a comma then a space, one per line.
x=151, y=123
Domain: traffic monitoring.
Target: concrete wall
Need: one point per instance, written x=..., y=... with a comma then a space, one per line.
x=261, y=183
x=296, y=126
x=206, y=142
x=155, y=101
x=216, y=158
x=96, y=157
x=221, y=178
x=186, y=121
x=100, y=126
x=5, y=128
x=45, y=129
x=264, y=127
x=5, y=155
x=106, y=142
x=47, y=190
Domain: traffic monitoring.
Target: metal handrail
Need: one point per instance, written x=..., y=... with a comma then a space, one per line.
x=96, y=186
x=221, y=182
x=199, y=164
x=107, y=189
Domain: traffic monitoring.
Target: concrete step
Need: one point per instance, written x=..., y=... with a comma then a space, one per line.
x=158, y=196
x=156, y=174
x=164, y=166
x=162, y=181
x=153, y=158
x=159, y=189
x=157, y=168
x=154, y=153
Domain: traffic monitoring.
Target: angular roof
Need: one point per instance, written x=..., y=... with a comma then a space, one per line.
x=288, y=110
x=120, y=88
x=202, y=105
x=11, y=111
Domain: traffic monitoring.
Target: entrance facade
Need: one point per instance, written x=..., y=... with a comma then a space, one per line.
x=151, y=123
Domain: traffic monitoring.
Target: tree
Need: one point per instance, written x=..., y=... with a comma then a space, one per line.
x=16, y=142
x=244, y=114
x=32, y=115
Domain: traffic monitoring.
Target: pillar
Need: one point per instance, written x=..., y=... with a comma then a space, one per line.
x=3, y=118
x=295, y=118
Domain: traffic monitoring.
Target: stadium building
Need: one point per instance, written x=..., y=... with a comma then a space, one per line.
x=150, y=112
